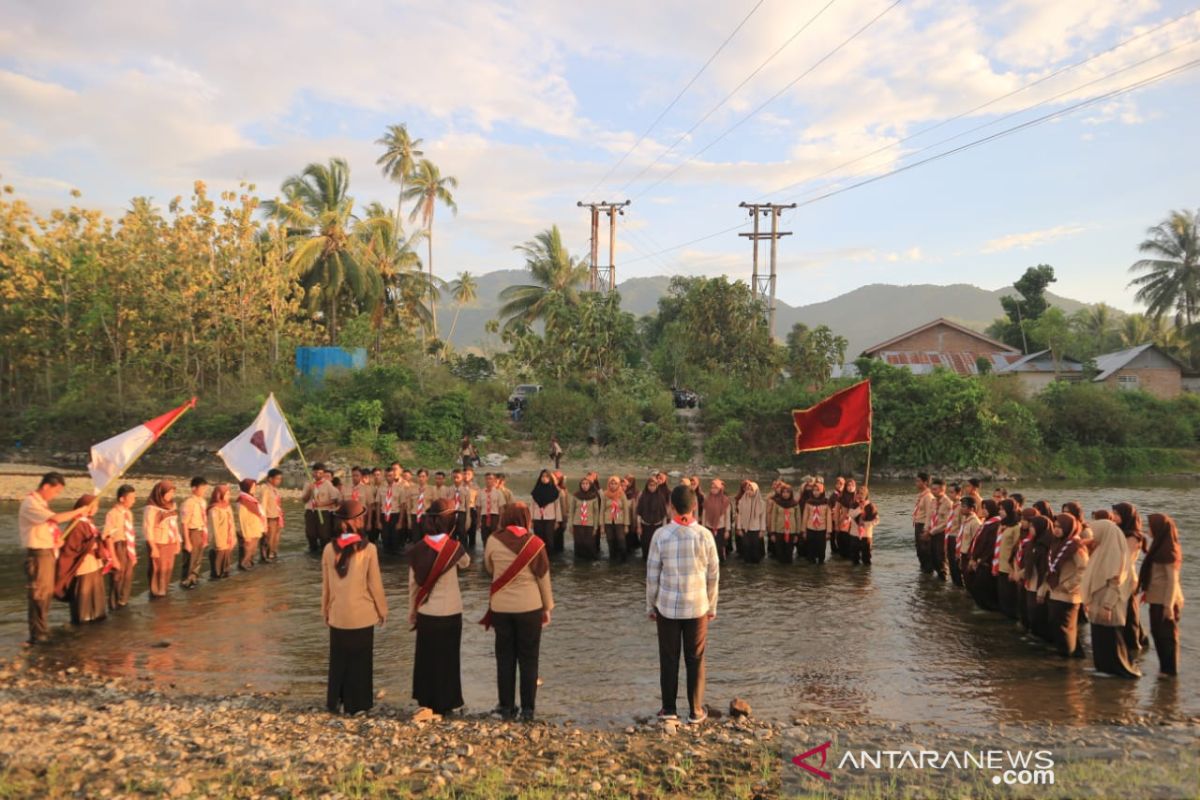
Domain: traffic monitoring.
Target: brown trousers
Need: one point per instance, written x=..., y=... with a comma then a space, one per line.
x=193, y=559
x=39, y=570
x=269, y=545
x=248, y=548
x=161, y=569
x=120, y=580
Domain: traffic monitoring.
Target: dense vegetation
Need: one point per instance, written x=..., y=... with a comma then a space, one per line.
x=106, y=322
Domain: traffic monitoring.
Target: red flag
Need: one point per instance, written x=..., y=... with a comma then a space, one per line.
x=840, y=419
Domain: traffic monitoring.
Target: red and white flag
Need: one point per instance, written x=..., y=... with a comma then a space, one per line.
x=113, y=456
x=259, y=449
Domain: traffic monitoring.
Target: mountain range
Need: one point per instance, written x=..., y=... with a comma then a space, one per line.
x=865, y=316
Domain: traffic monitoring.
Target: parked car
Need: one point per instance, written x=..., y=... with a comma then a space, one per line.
x=685, y=398
x=521, y=394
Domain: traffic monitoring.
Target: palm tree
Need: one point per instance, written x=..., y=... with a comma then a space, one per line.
x=557, y=277
x=428, y=187
x=464, y=289
x=398, y=265
x=325, y=251
x=400, y=152
x=1172, y=279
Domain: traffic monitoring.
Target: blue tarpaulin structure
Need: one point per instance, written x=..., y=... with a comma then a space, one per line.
x=313, y=362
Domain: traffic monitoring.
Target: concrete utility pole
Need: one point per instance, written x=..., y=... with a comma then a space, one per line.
x=762, y=287
x=604, y=278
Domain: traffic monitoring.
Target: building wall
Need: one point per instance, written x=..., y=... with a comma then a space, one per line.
x=1166, y=383
x=1033, y=382
x=943, y=339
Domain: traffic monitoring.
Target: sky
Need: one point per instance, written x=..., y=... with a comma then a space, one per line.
x=686, y=107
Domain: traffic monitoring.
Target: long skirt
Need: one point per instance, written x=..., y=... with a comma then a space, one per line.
x=219, y=563
x=632, y=540
x=544, y=530
x=814, y=546
x=351, y=669
x=1109, y=653
x=751, y=544
x=615, y=534
x=559, y=537
x=721, y=540
x=983, y=588
x=781, y=547
x=585, y=542
x=1006, y=596
x=954, y=559
x=87, y=598
x=161, y=569
x=437, y=674
x=1064, y=620
x=1166, y=639
x=1023, y=607
x=1136, y=639
x=648, y=532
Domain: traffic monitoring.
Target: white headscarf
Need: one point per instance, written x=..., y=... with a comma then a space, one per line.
x=1109, y=560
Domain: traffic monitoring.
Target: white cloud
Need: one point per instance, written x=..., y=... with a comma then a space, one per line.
x=1028, y=239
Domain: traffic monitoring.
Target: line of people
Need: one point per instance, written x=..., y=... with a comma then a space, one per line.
x=1049, y=570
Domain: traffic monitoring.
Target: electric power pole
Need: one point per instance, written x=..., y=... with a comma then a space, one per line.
x=603, y=278
x=763, y=286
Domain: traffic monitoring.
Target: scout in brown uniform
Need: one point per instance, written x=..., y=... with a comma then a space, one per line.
x=472, y=509
x=406, y=533
x=119, y=531
x=160, y=525
x=941, y=509
x=220, y=514
x=82, y=555
x=863, y=518
x=1010, y=535
x=954, y=492
x=717, y=516
x=782, y=524
x=272, y=507
x=1068, y=560
x=491, y=502
x=458, y=495
x=1159, y=579
x=374, y=520
x=751, y=523
x=193, y=513
x=838, y=516
x=251, y=521
x=390, y=498
x=651, y=513
x=418, y=501
x=546, y=511
x=968, y=525
x=320, y=498
x=439, y=486
x=564, y=512
x=38, y=529
x=818, y=523
x=353, y=489
x=616, y=513
x=435, y=610
x=922, y=512
x=585, y=518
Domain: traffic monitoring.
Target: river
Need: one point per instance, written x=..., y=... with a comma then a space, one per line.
x=795, y=640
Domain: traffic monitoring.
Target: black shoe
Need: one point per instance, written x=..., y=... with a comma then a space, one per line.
x=526, y=715
x=505, y=713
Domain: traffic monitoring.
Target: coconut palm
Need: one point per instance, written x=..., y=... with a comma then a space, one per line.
x=1171, y=283
x=464, y=290
x=398, y=265
x=400, y=152
x=317, y=210
x=428, y=187
x=557, y=277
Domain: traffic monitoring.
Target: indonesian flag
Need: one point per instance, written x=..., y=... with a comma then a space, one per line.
x=840, y=419
x=113, y=456
x=259, y=449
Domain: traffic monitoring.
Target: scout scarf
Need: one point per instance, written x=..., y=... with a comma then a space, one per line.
x=428, y=572
x=1065, y=549
x=533, y=545
x=346, y=543
x=388, y=499
x=920, y=501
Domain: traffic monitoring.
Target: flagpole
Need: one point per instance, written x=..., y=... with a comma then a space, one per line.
x=103, y=491
x=867, y=477
x=299, y=452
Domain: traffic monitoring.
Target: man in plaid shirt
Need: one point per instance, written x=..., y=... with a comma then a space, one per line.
x=682, y=572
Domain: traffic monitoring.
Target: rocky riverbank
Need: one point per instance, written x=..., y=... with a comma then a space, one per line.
x=74, y=734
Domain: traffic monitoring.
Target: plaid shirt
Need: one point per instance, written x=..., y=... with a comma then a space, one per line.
x=682, y=571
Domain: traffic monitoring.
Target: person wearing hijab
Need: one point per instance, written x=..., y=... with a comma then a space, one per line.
x=1008, y=538
x=1130, y=522
x=651, y=513
x=1021, y=558
x=81, y=557
x=253, y=523
x=1159, y=581
x=1076, y=510
x=1033, y=561
x=220, y=514
x=783, y=524
x=160, y=524
x=585, y=520
x=984, y=565
x=546, y=509
x=751, y=522
x=717, y=515
x=519, y=606
x=863, y=517
x=435, y=610
x=632, y=541
x=1107, y=583
x=838, y=519
x=616, y=512
x=122, y=540
x=564, y=512
x=1068, y=560
x=353, y=603
x=818, y=523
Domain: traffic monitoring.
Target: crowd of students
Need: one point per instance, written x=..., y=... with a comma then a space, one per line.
x=1049, y=570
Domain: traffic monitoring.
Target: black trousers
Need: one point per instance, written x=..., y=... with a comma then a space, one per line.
x=1064, y=619
x=752, y=547
x=690, y=637
x=814, y=546
x=937, y=554
x=351, y=669
x=487, y=524
x=648, y=532
x=954, y=560
x=391, y=533
x=721, y=540
x=460, y=529
x=472, y=526
x=862, y=550
x=518, y=642
x=615, y=534
x=544, y=530
x=1006, y=595
x=1166, y=639
x=318, y=529
x=924, y=554
x=782, y=545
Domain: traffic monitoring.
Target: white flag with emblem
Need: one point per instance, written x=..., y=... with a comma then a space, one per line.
x=259, y=448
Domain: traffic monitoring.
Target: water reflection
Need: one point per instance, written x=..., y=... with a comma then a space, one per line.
x=832, y=640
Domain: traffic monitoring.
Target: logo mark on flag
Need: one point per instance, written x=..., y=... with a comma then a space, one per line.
x=259, y=440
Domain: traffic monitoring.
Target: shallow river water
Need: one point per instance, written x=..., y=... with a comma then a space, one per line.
x=882, y=641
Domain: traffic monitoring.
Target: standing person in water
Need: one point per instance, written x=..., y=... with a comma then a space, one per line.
x=193, y=512
x=224, y=531
x=253, y=524
x=519, y=606
x=435, y=611
x=751, y=522
x=160, y=524
x=272, y=507
x=954, y=492
x=1130, y=522
x=863, y=516
x=632, y=540
x=320, y=499
x=78, y=579
x=651, y=513
x=491, y=502
x=983, y=568
x=1107, y=584
x=921, y=516
x=617, y=513
x=1010, y=534
x=782, y=524
x=818, y=523
x=1068, y=560
x=585, y=519
x=942, y=509
x=718, y=516
x=1159, y=581
x=969, y=524
x=353, y=603
x=119, y=531
x=682, y=578
x=545, y=511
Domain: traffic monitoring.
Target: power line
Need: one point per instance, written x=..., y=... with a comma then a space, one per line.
x=993, y=101
x=770, y=99
x=682, y=92
x=727, y=97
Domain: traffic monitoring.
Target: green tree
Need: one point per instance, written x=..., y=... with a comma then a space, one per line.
x=400, y=152
x=391, y=255
x=1054, y=329
x=464, y=290
x=812, y=354
x=557, y=279
x=1171, y=283
x=1024, y=309
x=428, y=187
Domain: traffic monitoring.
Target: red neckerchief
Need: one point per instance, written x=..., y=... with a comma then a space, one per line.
x=517, y=530
x=438, y=543
x=344, y=540
x=686, y=520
